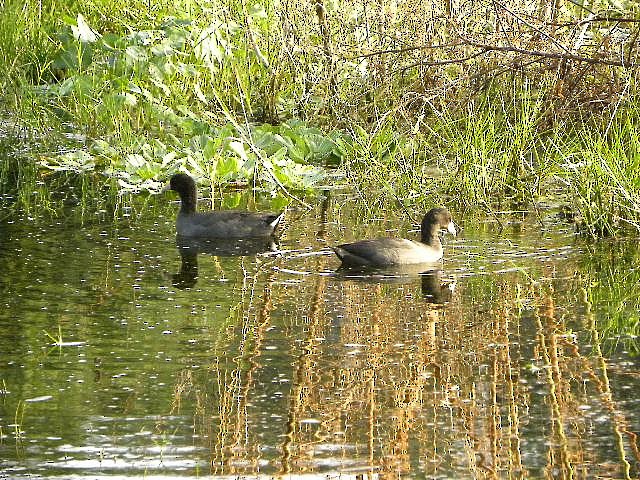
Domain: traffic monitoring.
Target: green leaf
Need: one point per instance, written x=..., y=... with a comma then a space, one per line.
x=231, y=200
x=135, y=160
x=238, y=148
x=77, y=161
x=211, y=149
x=135, y=54
x=227, y=167
x=101, y=147
x=258, y=11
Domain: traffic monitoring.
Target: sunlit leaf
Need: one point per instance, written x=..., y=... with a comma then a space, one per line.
x=199, y=95
x=168, y=159
x=258, y=11
x=211, y=149
x=162, y=86
x=135, y=54
x=135, y=160
x=164, y=49
x=238, y=149
x=227, y=166
x=102, y=147
x=280, y=158
x=83, y=32
x=77, y=161
x=208, y=47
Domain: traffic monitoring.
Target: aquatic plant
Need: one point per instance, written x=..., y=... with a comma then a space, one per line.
x=141, y=76
x=408, y=99
x=601, y=170
x=271, y=157
x=609, y=289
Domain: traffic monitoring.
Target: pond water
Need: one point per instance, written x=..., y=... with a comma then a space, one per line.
x=122, y=358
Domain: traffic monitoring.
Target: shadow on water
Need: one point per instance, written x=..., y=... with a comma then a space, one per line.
x=249, y=363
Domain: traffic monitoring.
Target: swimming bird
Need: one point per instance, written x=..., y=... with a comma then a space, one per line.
x=220, y=224
x=381, y=252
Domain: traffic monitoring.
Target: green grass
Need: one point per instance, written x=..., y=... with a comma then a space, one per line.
x=251, y=95
x=502, y=152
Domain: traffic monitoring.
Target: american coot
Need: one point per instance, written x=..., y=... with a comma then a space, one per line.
x=382, y=252
x=224, y=224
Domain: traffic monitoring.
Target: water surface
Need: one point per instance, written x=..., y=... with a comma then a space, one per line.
x=122, y=355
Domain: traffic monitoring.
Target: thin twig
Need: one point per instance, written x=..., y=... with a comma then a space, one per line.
x=556, y=55
x=440, y=62
x=404, y=50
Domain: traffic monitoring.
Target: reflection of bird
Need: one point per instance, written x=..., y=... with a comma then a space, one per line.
x=224, y=224
x=434, y=290
x=400, y=251
x=188, y=274
x=189, y=249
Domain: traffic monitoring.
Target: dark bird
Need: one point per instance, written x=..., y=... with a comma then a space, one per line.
x=222, y=224
x=381, y=252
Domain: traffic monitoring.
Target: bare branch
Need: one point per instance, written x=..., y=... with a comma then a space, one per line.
x=405, y=50
x=557, y=55
x=440, y=62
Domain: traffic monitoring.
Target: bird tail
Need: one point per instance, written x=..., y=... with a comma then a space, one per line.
x=278, y=218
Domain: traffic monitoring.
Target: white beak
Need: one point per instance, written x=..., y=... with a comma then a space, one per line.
x=451, y=228
x=167, y=186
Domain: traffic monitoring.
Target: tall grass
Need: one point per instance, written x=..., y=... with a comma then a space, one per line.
x=503, y=151
x=412, y=101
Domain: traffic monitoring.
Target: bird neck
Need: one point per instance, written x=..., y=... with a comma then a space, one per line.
x=431, y=237
x=188, y=201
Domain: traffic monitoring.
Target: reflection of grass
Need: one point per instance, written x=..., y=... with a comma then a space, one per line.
x=617, y=302
x=56, y=340
x=19, y=420
x=612, y=286
x=470, y=374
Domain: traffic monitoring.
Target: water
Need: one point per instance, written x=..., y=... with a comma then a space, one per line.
x=119, y=359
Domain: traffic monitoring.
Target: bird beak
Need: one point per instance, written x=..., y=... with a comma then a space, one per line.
x=451, y=228
x=167, y=186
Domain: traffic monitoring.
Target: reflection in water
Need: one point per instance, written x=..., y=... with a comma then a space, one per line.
x=187, y=277
x=232, y=247
x=530, y=370
x=189, y=249
x=435, y=289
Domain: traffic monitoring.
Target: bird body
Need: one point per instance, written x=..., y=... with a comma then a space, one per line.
x=387, y=251
x=383, y=252
x=220, y=224
x=228, y=223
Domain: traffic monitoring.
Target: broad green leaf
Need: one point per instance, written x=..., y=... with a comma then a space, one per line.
x=135, y=54
x=77, y=161
x=104, y=148
x=258, y=11
x=231, y=200
x=135, y=160
x=227, y=167
x=211, y=149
